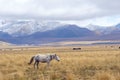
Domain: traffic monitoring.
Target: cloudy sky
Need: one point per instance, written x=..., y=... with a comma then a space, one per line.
x=81, y=12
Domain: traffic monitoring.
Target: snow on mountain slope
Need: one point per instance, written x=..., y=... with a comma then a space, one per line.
x=101, y=30
x=27, y=27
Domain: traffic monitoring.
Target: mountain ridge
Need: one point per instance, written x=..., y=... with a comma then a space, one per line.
x=30, y=32
x=21, y=28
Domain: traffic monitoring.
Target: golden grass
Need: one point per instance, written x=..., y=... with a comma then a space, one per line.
x=90, y=63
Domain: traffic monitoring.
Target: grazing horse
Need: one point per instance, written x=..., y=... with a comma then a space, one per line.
x=43, y=59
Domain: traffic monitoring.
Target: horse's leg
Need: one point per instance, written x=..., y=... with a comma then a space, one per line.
x=48, y=64
x=37, y=64
x=34, y=64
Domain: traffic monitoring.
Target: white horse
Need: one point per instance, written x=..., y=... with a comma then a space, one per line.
x=43, y=59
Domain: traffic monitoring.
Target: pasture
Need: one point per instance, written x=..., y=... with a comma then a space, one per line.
x=89, y=63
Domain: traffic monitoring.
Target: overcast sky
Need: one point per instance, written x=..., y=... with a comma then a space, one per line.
x=82, y=12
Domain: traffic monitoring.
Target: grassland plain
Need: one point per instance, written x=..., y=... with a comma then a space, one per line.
x=89, y=63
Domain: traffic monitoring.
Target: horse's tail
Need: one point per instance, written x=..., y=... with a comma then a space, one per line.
x=31, y=60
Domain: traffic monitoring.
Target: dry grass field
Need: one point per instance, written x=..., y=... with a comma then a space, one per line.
x=89, y=63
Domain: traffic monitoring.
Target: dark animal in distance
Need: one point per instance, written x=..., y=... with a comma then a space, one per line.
x=76, y=48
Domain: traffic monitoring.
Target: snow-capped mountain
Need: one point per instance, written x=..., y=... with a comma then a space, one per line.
x=37, y=32
x=26, y=27
x=102, y=30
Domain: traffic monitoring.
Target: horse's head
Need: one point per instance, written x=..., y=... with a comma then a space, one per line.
x=56, y=57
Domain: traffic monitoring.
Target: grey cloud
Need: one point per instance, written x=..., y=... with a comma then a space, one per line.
x=59, y=9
